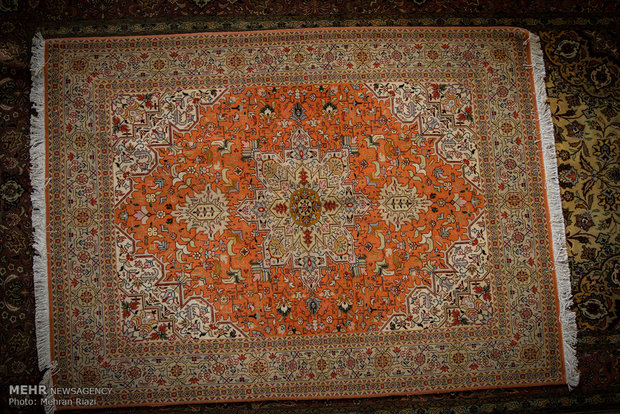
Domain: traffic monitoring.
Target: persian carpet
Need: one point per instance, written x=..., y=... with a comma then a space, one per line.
x=294, y=214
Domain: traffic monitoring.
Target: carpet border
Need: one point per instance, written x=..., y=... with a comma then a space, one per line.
x=567, y=317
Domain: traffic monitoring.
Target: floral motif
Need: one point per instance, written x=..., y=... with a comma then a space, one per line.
x=207, y=212
x=11, y=191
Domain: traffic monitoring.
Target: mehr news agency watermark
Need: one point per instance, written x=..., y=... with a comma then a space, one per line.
x=31, y=395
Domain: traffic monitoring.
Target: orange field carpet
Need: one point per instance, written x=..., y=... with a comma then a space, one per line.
x=294, y=214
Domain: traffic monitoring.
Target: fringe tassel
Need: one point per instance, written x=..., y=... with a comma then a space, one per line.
x=562, y=272
x=39, y=212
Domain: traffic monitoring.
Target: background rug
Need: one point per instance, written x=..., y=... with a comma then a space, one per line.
x=591, y=31
x=320, y=213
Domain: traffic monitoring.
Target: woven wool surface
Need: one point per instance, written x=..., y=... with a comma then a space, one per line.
x=319, y=213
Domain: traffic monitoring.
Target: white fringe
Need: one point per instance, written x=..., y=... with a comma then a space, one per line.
x=39, y=212
x=562, y=272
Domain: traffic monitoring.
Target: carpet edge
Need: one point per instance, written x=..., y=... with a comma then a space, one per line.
x=39, y=214
x=552, y=186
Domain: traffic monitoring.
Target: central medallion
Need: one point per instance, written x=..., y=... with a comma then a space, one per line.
x=305, y=207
